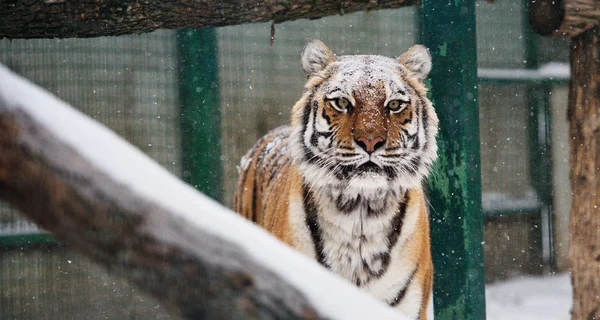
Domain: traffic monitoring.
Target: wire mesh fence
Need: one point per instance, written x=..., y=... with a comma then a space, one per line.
x=130, y=83
x=260, y=83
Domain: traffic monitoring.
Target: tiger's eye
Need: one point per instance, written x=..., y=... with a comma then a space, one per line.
x=343, y=103
x=395, y=105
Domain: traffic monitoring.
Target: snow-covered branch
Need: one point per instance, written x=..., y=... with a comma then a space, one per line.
x=106, y=199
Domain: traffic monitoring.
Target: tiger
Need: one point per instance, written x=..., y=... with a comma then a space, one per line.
x=344, y=183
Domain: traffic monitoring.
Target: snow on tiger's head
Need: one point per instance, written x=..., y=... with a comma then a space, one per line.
x=364, y=121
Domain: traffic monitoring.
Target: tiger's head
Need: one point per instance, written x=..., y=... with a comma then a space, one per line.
x=364, y=122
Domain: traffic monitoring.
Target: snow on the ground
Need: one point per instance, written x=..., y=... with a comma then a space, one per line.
x=530, y=298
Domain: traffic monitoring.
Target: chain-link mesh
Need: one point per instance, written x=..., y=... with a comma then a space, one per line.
x=128, y=83
x=509, y=133
x=501, y=40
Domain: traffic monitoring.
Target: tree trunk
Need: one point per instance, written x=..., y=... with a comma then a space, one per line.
x=584, y=127
x=93, y=18
x=563, y=17
x=103, y=198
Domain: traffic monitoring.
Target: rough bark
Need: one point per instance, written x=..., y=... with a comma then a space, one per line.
x=563, y=17
x=93, y=18
x=584, y=129
x=197, y=273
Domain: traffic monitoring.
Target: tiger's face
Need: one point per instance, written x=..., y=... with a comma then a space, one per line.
x=364, y=122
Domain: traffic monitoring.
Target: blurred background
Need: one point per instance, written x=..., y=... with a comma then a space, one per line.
x=142, y=87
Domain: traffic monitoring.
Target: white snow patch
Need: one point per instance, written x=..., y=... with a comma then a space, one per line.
x=555, y=70
x=19, y=228
x=549, y=71
x=499, y=201
x=244, y=164
x=530, y=298
x=273, y=144
x=333, y=297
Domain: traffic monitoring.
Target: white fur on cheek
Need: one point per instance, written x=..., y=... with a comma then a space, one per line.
x=321, y=124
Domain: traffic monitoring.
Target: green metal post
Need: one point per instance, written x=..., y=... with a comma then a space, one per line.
x=200, y=111
x=26, y=240
x=541, y=169
x=455, y=186
x=540, y=137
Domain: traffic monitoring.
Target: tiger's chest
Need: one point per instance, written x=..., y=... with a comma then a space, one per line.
x=357, y=234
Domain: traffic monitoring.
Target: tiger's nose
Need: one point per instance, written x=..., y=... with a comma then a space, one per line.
x=370, y=145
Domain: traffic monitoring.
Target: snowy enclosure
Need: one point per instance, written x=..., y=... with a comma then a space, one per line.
x=126, y=166
x=131, y=85
x=530, y=298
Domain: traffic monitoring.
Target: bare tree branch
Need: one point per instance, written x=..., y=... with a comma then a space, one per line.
x=107, y=200
x=93, y=18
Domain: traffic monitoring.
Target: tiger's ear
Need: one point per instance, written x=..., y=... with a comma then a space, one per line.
x=316, y=57
x=418, y=60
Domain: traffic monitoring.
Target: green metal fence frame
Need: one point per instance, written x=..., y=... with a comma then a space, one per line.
x=457, y=225
x=200, y=110
x=200, y=123
x=540, y=159
x=27, y=240
x=455, y=190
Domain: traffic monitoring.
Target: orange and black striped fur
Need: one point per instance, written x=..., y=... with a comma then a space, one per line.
x=343, y=183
